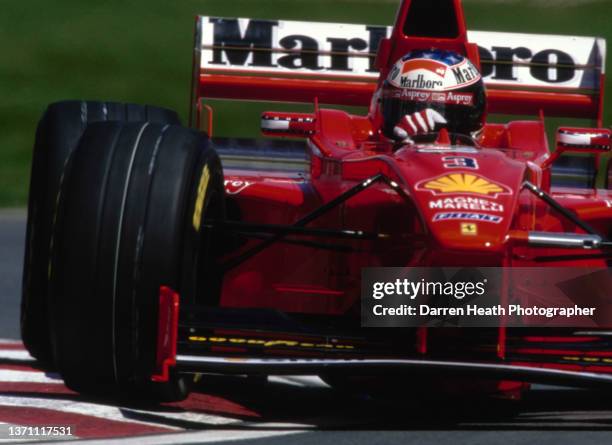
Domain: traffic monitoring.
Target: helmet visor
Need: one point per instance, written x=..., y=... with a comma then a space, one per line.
x=463, y=109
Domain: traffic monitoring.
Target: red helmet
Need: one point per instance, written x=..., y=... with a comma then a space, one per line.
x=441, y=80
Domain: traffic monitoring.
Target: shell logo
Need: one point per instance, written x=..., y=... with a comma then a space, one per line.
x=463, y=183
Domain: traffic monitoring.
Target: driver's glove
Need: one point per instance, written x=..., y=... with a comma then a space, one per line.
x=421, y=122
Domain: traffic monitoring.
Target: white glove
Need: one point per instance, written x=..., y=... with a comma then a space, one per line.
x=421, y=122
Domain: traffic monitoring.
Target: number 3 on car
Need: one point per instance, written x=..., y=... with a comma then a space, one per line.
x=460, y=162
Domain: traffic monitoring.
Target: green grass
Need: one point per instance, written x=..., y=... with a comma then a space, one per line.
x=140, y=51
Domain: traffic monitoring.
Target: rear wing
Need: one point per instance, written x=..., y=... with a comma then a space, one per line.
x=291, y=61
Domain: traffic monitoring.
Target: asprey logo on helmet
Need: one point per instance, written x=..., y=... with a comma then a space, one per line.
x=430, y=72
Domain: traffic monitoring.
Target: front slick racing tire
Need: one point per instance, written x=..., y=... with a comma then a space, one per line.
x=57, y=135
x=131, y=211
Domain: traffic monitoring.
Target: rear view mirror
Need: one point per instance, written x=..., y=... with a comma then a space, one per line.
x=279, y=124
x=584, y=140
x=579, y=171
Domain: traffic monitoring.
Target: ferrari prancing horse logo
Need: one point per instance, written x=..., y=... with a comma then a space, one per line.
x=469, y=229
x=463, y=183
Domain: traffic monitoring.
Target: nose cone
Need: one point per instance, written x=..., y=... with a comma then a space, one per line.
x=468, y=198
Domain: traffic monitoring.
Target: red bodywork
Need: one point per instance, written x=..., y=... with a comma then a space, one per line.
x=345, y=149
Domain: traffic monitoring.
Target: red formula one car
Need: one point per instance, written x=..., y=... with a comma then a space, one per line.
x=147, y=261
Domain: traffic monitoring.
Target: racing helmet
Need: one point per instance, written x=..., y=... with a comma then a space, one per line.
x=441, y=80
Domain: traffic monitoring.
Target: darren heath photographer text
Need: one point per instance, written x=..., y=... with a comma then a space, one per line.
x=459, y=290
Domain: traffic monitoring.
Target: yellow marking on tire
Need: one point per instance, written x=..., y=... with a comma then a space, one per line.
x=199, y=204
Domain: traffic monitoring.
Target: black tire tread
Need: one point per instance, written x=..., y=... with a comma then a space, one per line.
x=57, y=135
x=122, y=233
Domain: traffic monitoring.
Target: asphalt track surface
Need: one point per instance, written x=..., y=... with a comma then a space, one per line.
x=283, y=410
x=12, y=236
